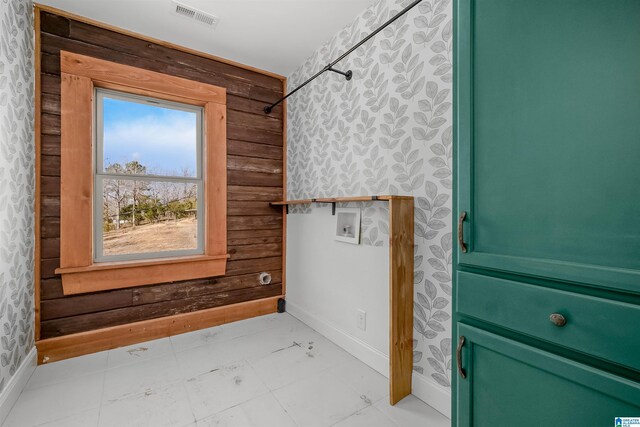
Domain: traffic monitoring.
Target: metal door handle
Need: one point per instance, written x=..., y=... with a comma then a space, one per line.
x=558, y=319
x=461, y=371
x=463, y=246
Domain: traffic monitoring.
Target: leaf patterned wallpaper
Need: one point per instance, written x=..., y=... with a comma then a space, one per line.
x=387, y=131
x=16, y=185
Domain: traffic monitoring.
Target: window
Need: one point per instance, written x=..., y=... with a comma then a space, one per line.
x=148, y=179
x=143, y=177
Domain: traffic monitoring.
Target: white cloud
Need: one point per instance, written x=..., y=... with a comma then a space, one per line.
x=166, y=142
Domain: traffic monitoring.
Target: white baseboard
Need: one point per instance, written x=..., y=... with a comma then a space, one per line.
x=361, y=350
x=423, y=387
x=17, y=383
x=431, y=393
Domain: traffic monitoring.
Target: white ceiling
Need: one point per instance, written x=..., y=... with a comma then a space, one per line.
x=274, y=35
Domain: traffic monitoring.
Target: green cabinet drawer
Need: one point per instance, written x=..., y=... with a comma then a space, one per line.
x=599, y=327
x=508, y=383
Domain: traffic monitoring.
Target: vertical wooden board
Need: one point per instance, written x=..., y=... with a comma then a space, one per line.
x=401, y=219
x=76, y=164
x=216, y=180
x=284, y=190
x=38, y=142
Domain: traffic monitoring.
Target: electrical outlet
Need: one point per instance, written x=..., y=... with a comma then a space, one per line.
x=362, y=320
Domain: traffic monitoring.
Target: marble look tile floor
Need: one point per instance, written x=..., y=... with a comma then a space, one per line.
x=269, y=371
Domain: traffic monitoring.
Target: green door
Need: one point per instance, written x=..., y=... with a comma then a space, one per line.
x=548, y=138
x=511, y=384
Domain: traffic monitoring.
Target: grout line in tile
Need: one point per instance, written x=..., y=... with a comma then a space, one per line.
x=385, y=397
x=231, y=407
x=104, y=381
x=284, y=409
x=218, y=327
x=321, y=371
x=364, y=397
x=367, y=407
x=182, y=382
x=393, y=422
x=59, y=381
x=67, y=415
x=146, y=359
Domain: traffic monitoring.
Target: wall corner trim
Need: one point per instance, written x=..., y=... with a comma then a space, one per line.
x=17, y=383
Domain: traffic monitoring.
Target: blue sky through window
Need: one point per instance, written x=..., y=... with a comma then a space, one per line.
x=162, y=139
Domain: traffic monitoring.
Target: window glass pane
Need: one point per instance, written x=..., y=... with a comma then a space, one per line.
x=145, y=139
x=140, y=217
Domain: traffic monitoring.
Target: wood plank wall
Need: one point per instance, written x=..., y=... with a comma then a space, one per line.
x=255, y=177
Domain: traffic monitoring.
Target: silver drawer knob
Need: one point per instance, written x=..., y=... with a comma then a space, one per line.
x=558, y=319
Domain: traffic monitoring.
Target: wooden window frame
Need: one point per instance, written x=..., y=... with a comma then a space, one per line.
x=80, y=274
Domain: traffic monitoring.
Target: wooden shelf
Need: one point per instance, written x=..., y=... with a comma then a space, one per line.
x=384, y=198
x=401, y=229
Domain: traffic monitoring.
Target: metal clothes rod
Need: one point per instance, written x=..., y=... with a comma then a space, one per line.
x=347, y=74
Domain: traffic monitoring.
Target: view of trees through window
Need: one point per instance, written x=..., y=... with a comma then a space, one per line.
x=149, y=178
x=164, y=213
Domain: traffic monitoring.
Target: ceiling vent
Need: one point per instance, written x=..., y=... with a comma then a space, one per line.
x=194, y=14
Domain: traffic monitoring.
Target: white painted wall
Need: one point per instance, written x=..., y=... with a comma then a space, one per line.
x=328, y=281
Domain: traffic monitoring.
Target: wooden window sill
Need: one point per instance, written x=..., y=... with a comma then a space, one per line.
x=126, y=274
